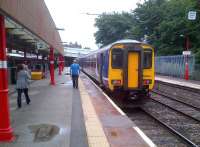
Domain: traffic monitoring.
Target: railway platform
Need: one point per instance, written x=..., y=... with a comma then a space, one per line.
x=60, y=116
x=180, y=82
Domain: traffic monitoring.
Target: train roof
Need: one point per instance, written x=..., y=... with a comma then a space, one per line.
x=110, y=45
x=127, y=41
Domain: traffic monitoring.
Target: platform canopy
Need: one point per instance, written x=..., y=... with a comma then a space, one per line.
x=29, y=25
x=75, y=52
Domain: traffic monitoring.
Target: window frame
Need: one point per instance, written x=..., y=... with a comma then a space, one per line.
x=122, y=57
x=151, y=52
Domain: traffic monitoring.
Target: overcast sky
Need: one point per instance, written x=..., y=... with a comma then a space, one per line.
x=71, y=15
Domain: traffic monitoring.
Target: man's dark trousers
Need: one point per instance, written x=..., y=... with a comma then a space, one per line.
x=75, y=81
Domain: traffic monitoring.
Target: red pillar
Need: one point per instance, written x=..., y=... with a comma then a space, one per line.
x=186, y=60
x=6, y=132
x=60, y=65
x=186, y=71
x=51, y=58
x=63, y=63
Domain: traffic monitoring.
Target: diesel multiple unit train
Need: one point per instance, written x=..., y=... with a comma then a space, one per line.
x=125, y=66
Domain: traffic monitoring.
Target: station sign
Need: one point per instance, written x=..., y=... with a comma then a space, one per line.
x=187, y=53
x=192, y=15
x=40, y=45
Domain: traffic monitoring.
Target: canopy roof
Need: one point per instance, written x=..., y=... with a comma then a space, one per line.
x=29, y=22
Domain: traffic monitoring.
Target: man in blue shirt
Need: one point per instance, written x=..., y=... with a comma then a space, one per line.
x=74, y=72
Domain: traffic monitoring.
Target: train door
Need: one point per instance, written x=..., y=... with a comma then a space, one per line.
x=133, y=69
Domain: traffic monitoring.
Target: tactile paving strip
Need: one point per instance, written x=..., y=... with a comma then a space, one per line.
x=95, y=133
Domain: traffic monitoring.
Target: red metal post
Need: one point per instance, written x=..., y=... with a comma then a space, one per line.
x=6, y=132
x=186, y=60
x=60, y=64
x=51, y=58
x=63, y=63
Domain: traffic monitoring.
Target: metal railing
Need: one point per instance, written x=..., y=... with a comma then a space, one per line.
x=175, y=66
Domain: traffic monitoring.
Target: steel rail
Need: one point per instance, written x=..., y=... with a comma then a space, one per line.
x=172, y=130
x=190, y=117
x=172, y=98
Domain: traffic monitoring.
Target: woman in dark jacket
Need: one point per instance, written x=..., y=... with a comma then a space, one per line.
x=23, y=78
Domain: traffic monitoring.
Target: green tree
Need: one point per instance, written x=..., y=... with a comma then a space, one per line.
x=112, y=27
x=165, y=23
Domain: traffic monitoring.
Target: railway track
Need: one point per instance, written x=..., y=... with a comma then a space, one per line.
x=159, y=132
x=177, y=114
x=177, y=105
x=166, y=120
x=180, y=93
x=183, y=124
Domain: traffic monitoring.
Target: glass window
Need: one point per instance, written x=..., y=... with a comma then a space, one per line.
x=147, y=62
x=117, y=58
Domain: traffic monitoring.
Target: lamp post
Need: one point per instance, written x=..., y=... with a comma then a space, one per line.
x=186, y=53
x=191, y=17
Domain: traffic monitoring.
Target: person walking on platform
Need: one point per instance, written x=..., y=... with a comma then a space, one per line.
x=74, y=72
x=23, y=78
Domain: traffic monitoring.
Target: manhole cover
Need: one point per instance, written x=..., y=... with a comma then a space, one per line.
x=44, y=132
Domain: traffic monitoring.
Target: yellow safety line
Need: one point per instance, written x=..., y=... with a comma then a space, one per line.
x=95, y=133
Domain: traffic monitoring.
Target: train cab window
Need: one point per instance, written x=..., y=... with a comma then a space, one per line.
x=117, y=58
x=147, y=62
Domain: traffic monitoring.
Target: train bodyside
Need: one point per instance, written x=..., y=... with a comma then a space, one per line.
x=96, y=65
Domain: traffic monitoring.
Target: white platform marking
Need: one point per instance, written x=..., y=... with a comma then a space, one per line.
x=181, y=83
x=146, y=139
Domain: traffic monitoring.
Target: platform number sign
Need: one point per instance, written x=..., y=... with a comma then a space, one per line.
x=187, y=53
x=40, y=46
x=192, y=15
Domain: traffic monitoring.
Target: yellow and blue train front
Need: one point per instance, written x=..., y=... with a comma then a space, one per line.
x=131, y=68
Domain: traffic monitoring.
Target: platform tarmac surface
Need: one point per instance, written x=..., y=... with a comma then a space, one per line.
x=178, y=81
x=53, y=119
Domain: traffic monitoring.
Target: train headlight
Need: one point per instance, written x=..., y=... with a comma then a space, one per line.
x=116, y=82
x=147, y=82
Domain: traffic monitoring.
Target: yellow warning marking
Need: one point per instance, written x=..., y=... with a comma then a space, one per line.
x=95, y=132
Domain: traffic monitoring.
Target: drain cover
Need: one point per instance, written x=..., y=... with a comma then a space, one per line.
x=44, y=132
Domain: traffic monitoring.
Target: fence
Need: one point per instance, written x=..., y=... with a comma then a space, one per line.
x=175, y=66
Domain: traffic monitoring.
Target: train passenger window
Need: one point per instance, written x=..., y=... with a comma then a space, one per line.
x=117, y=58
x=147, y=62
